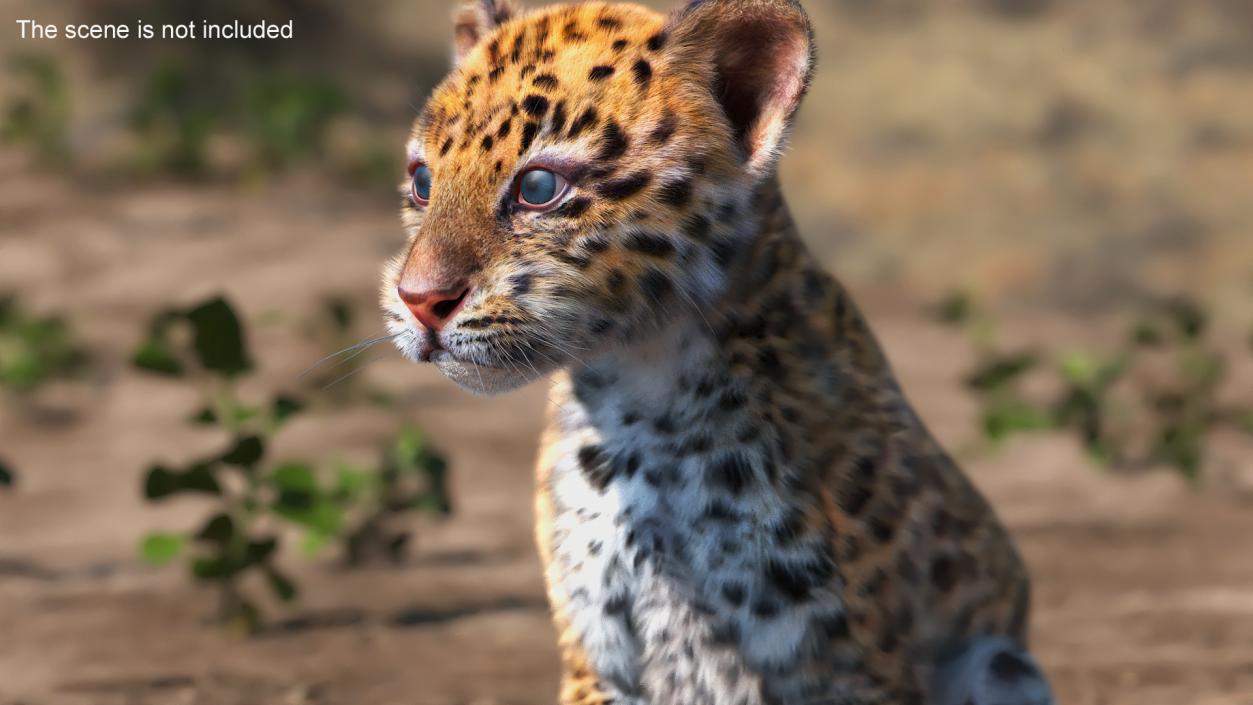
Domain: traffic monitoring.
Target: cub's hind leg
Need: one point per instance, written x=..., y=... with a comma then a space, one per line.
x=991, y=670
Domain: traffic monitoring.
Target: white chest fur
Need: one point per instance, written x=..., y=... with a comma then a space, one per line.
x=662, y=543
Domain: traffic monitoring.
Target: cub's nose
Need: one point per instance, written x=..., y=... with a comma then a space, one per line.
x=434, y=307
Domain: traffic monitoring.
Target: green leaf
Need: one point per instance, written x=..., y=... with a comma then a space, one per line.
x=155, y=355
x=218, y=338
x=284, y=589
x=350, y=482
x=8, y=478
x=953, y=309
x=1006, y=417
x=319, y=516
x=313, y=543
x=159, y=548
x=260, y=550
x=214, y=568
x=295, y=477
x=160, y=482
x=246, y=453
x=1000, y=371
x=199, y=478
x=285, y=407
x=204, y=417
x=1078, y=368
x=1188, y=317
x=219, y=529
x=1145, y=332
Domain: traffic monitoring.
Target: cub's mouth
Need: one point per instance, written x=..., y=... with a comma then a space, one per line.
x=479, y=363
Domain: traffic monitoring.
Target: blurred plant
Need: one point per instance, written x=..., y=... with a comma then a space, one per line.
x=236, y=540
x=39, y=114
x=35, y=349
x=285, y=116
x=372, y=503
x=241, y=539
x=1126, y=411
x=281, y=117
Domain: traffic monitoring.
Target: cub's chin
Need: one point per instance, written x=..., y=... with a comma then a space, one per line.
x=478, y=379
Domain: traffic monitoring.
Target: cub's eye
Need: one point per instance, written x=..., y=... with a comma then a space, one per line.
x=421, y=183
x=539, y=188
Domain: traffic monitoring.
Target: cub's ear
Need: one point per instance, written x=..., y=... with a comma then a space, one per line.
x=475, y=19
x=762, y=57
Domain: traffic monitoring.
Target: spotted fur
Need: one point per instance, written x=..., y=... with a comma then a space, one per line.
x=735, y=501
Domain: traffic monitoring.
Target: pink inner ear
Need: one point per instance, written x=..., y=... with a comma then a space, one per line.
x=762, y=63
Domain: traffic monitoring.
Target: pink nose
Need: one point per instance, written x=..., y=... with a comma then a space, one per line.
x=433, y=308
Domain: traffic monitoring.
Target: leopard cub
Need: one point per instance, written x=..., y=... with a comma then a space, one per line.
x=736, y=504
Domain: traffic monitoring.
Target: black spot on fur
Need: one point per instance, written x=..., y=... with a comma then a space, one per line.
x=765, y=608
x=853, y=497
x=495, y=74
x=664, y=129
x=798, y=580
x=596, y=467
x=656, y=41
x=615, y=143
x=643, y=72
x=943, y=573
x=733, y=473
x=520, y=284
x=1010, y=668
x=503, y=130
x=573, y=208
x=600, y=73
x=582, y=122
x=535, y=106
x=558, y=120
x=528, y=136
x=608, y=22
x=649, y=244
x=629, y=185
x=619, y=44
x=447, y=145
x=487, y=142
x=697, y=227
x=733, y=593
x=675, y=193
x=546, y=81
x=656, y=286
x=664, y=424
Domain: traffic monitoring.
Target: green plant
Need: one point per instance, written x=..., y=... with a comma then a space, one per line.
x=35, y=349
x=1152, y=402
x=254, y=498
x=373, y=502
x=39, y=114
x=280, y=116
x=238, y=539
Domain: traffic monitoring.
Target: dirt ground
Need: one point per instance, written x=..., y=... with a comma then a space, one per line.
x=1144, y=587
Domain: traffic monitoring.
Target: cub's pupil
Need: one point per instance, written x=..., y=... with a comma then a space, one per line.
x=538, y=186
x=422, y=182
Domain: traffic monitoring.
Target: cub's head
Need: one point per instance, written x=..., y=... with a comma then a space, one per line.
x=584, y=176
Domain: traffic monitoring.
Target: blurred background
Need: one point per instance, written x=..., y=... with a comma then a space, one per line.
x=1043, y=205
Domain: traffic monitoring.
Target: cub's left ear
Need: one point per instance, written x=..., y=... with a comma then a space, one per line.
x=762, y=57
x=475, y=19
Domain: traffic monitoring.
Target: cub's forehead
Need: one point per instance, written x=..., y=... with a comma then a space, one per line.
x=540, y=72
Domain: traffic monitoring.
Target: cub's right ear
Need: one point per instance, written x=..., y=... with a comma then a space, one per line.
x=475, y=19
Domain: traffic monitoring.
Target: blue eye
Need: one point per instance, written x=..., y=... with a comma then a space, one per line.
x=422, y=184
x=540, y=187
